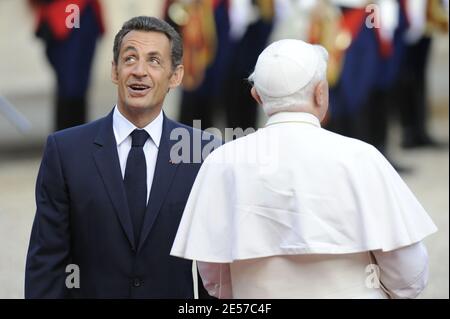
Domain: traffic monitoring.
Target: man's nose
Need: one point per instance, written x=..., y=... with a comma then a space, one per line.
x=139, y=69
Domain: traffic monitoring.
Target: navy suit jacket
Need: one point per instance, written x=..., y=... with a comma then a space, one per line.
x=82, y=218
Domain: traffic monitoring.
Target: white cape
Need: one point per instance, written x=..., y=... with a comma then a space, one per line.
x=313, y=192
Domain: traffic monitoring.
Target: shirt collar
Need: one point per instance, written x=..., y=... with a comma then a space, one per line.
x=123, y=127
x=293, y=117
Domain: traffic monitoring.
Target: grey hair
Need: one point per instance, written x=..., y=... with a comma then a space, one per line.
x=303, y=97
x=144, y=23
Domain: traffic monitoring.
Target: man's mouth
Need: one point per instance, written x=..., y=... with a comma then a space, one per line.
x=138, y=89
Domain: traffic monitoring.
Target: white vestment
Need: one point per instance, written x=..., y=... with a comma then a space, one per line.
x=293, y=188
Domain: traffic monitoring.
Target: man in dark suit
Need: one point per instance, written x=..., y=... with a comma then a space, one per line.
x=110, y=194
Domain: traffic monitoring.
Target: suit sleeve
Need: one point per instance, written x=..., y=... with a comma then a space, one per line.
x=49, y=248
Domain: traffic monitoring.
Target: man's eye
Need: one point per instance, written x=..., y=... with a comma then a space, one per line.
x=155, y=61
x=130, y=58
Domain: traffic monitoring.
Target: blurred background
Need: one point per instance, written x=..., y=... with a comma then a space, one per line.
x=388, y=72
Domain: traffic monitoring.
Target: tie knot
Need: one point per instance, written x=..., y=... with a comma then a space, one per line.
x=138, y=138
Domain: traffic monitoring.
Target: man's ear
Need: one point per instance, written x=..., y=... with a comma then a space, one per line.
x=321, y=94
x=114, y=75
x=256, y=96
x=321, y=99
x=176, y=77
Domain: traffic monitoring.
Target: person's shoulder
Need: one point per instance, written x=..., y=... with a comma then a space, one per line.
x=172, y=124
x=347, y=149
x=348, y=143
x=177, y=129
x=235, y=150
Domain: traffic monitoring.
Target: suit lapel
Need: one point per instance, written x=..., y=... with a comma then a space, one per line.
x=108, y=165
x=164, y=173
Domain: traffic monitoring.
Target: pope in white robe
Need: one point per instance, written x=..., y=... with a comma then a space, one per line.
x=296, y=211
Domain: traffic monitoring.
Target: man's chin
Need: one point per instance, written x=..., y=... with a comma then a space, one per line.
x=138, y=105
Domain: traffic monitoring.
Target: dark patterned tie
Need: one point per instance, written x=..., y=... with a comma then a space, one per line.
x=136, y=181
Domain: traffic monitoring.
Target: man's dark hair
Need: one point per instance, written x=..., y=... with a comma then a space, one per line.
x=144, y=23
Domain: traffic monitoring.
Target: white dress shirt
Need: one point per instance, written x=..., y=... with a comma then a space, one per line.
x=122, y=130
